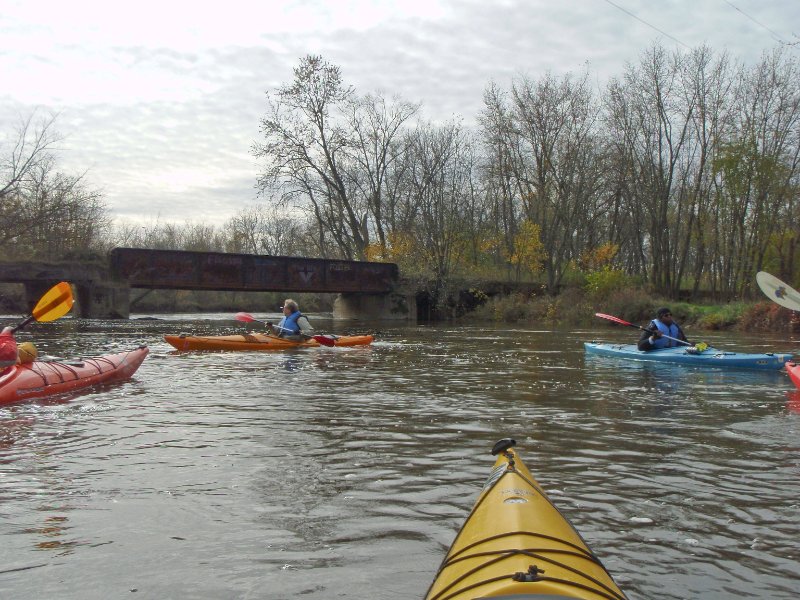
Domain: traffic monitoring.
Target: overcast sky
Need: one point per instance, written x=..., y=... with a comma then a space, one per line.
x=159, y=100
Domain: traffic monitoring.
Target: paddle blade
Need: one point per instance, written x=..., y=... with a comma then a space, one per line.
x=324, y=340
x=613, y=318
x=244, y=317
x=54, y=304
x=777, y=291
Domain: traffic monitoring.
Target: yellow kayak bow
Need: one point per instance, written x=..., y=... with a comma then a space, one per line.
x=516, y=544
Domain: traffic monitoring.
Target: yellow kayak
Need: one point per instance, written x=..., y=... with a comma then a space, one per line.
x=515, y=544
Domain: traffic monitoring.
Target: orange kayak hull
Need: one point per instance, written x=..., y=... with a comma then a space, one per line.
x=254, y=342
x=793, y=369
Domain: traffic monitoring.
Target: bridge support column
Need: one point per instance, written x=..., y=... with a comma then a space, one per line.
x=391, y=306
x=103, y=300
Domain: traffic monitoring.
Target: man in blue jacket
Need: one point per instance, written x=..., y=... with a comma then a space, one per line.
x=654, y=338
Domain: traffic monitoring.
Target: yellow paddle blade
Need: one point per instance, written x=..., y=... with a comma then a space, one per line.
x=701, y=346
x=55, y=303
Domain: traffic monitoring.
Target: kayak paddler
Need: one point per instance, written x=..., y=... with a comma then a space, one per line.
x=653, y=337
x=12, y=353
x=294, y=325
x=8, y=348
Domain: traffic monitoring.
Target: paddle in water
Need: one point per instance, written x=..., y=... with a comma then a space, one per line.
x=700, y=347
x=323, y=340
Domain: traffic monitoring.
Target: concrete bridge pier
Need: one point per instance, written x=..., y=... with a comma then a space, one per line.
x=93, y=299
x=392, y=306
x=102, y=300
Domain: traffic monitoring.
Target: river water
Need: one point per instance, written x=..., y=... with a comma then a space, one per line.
x=346, y=472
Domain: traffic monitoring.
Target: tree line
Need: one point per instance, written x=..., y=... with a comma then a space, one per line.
x=44, y=213
x=681, y=173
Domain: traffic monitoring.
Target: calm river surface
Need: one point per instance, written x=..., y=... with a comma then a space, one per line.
x=346, y=472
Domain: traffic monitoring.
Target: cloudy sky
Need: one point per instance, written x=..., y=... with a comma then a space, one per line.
x=159, y=100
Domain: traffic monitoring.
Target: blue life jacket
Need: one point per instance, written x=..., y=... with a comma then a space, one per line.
x=671, y=331
x=288, y=325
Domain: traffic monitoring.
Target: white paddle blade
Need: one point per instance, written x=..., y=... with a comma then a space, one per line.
x=777, y=291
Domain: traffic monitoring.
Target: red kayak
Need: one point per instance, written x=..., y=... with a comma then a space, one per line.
x=39, y=379
x=793, y=369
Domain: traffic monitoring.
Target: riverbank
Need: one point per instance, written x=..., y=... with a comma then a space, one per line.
x=573, y=307
x=576, y=309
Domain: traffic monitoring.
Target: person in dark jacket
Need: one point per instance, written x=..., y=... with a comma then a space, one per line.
x=655, y=336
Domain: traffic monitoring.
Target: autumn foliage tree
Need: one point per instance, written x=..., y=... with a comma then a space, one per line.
x=529, y=253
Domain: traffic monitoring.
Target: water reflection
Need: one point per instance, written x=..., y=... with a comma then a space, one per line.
x=53, y=530
x=13, y=429
x=793, y=401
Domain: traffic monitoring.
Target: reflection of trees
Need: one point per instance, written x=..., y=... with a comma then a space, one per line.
x=793, y=401
x=51, y=533
x=53, y=530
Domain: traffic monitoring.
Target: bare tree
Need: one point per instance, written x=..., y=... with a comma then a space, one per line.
x=545, y=159
x=336, y=155
x=756, y=172
x=31, y=148
x=377, y=150
x=263, y=229
x=305, y=149
x=45, y=213
x=709, y=86
x=651, y=128
x=504, y=203
x=441, y=178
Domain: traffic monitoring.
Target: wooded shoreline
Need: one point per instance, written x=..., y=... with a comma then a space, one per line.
x=573, y=307
x=681, y=173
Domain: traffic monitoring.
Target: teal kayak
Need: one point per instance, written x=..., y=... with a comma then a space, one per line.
x=710, y=357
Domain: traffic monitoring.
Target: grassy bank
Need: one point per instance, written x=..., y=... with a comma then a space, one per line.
x=577, y=309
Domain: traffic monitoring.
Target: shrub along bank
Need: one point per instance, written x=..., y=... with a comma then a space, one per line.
x=574, y=307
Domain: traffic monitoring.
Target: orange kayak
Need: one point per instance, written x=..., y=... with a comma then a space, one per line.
x=257, y=342
x=793, y=369
x=39, y=379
